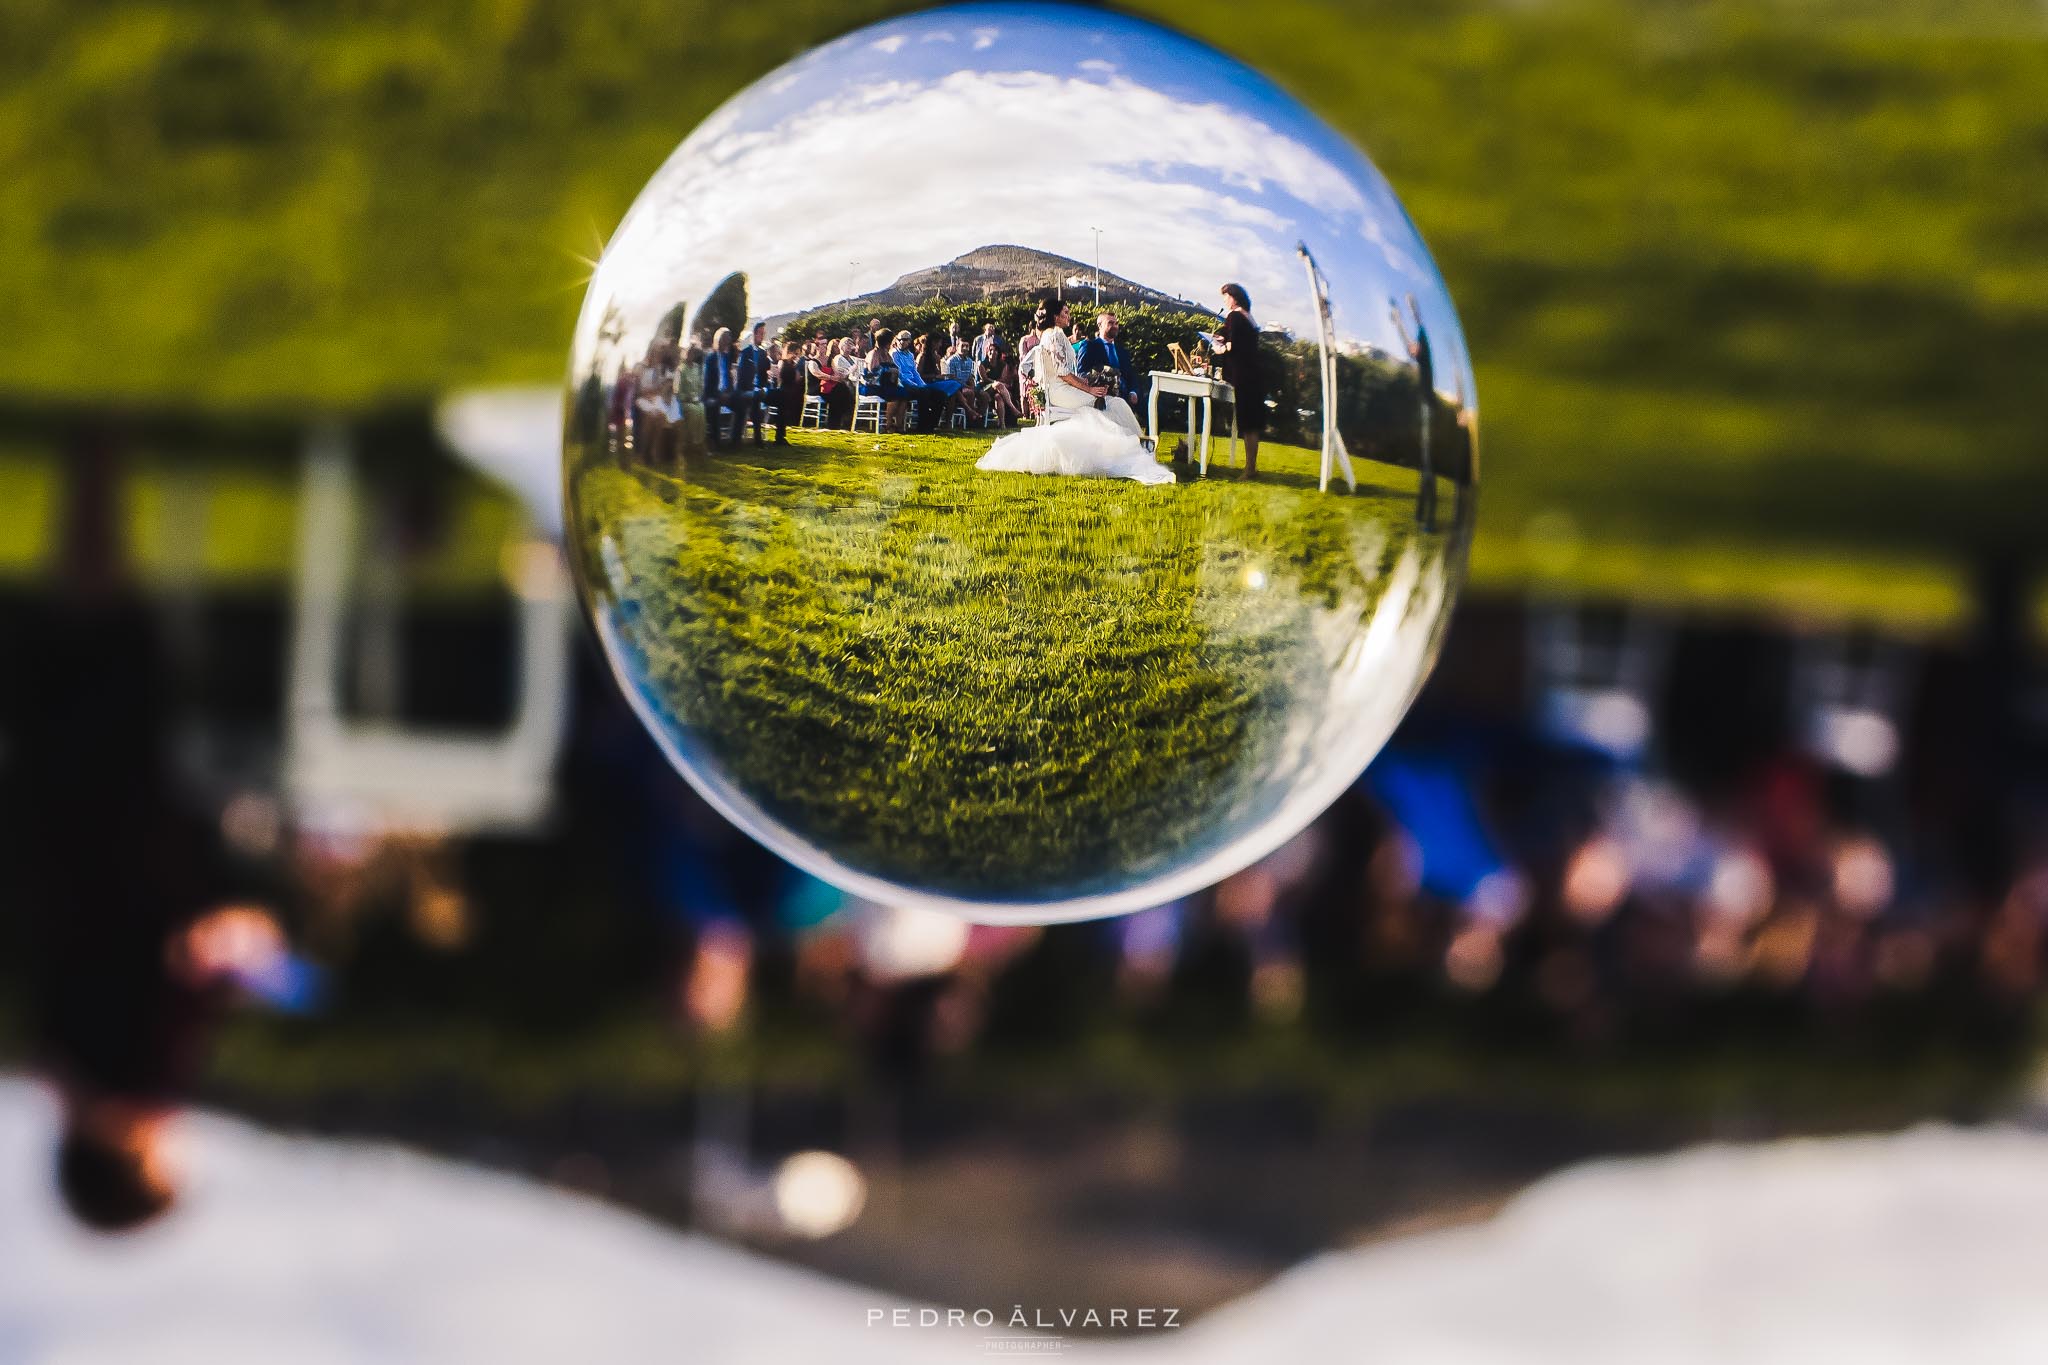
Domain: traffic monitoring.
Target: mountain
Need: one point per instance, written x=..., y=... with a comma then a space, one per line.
x=993, y=272
x=999, y=272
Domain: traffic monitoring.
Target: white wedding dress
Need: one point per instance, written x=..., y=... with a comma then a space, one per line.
x=1075, y=437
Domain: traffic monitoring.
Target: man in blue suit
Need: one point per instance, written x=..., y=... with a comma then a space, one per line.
x=1103, y=352
x=756, y=378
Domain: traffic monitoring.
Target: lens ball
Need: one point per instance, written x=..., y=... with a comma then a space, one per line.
x=1019, y=462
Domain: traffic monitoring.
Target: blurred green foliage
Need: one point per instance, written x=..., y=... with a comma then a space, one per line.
x=1755, y=268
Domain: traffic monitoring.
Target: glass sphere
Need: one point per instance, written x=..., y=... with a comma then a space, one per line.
x=999, y=628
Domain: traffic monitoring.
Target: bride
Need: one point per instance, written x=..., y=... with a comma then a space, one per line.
x=1074, y=436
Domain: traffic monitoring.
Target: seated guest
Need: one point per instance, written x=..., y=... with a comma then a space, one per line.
x=985, y=345
x=1103, y=352
x=849, y=370
x=960, y=369
x=660, y=413
x=934, y=399
x=877, y=368
x=755, y=384
x=1030, y=338
x=1001, y=388
x=834, y=386
x=721, y=386
x=880, y=379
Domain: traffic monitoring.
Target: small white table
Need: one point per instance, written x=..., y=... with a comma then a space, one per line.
x=1197, y=388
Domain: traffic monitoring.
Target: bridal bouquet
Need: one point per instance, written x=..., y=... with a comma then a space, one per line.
x=1104, y=377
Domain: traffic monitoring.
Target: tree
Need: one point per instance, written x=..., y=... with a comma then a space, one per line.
x=670, y=328
x=724, y=306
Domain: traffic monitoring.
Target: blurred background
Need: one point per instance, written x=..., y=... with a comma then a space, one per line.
x=1724, y=818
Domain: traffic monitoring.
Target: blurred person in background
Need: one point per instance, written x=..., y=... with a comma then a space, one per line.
x=1148, y=945
x=1423, y=358
x=787, y=391
x=135, y=921
x=906, y=1009
x=697, y=862
x=655, y=405
x=619, y=410
x=721, y=388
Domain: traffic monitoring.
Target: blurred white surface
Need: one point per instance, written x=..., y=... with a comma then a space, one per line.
x=1929, y=1245
x=297, y=1252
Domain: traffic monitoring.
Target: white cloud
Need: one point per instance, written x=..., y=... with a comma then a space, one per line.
x=984, y=38
x=891, y=44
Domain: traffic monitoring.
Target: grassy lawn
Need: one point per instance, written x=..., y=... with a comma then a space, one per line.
x=995, y=684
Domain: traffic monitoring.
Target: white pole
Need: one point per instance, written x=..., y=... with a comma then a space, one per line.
x=1315, y=294
x=1098, y=265
x=1326, y=345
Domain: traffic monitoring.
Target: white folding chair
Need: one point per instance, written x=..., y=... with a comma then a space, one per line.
x=814, y=411
x=867, y=408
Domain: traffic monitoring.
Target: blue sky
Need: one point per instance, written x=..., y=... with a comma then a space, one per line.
x=912, y=141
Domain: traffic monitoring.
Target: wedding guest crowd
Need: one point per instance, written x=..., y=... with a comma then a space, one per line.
x=741, y=383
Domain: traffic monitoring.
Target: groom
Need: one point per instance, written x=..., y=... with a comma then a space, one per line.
x=1103, y=352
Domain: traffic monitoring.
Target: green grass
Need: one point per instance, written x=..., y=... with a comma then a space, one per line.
x=992, y=684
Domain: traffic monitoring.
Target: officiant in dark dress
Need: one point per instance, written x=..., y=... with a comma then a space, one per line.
x=1243, y=370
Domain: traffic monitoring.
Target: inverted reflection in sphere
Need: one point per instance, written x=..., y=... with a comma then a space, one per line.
x=893, y=589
